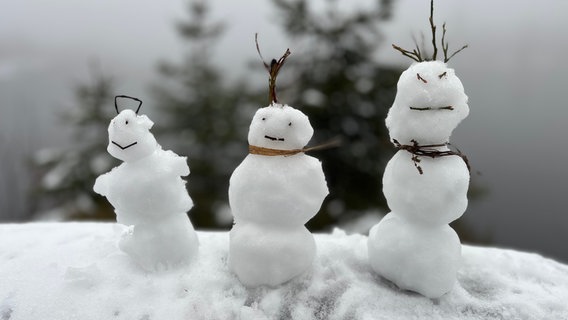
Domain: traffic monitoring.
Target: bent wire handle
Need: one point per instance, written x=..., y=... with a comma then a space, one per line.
x=127, y=97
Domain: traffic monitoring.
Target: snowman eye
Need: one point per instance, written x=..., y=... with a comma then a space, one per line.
x=443, y=74
x=263, y=119
x=290, y=124
x=420, y=78
x=126, y=122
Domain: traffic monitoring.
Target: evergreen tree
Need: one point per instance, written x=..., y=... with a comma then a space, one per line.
x=67, y=175
x=206, y=118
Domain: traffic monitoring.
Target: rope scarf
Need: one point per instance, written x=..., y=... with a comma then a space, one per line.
x=281, y=152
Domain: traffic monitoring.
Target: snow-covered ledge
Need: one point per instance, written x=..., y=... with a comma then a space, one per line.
x=75, y=271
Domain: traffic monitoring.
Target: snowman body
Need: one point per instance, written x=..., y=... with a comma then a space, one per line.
x=419, y=258
x=148, y=195
x=413, y=246
x=272, y=197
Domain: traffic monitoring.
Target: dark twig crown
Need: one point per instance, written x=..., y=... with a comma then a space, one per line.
x=417, y=55
x=272, y=69
x=126, y=97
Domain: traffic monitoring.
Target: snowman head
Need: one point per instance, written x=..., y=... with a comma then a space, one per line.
x=280, y=127
x=429, y=104
x=129, y=136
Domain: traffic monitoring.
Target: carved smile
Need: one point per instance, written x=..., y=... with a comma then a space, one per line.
x=274, y=139
x=124, y=148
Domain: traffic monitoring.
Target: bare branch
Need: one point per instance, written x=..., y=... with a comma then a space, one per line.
x=456, y=52
x=419, y=53
x=410, y=54
x=431, y=151
x=273, y=69
x=445, y=45
x=260, y=54
x=433, y=27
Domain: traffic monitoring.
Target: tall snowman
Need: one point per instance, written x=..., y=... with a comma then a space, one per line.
x=425, y=183
x=272, y=194
x=148, y=194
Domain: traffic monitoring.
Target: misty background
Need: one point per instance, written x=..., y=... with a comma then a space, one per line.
x=513, y=72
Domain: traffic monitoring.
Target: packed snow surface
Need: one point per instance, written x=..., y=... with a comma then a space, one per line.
x=75, y=271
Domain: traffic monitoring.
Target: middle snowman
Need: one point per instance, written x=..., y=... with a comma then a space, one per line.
x=273, y=193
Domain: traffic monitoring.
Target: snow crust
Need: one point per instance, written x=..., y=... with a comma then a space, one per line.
x=75, y=271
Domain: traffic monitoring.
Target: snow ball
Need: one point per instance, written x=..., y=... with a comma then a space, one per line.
x=429, y=104
x=269, y=255
x=129, y=136
x=146, y=190
x=279, y=190
x=438, y=196
x=280, y=127
x=163, y=244
x=414, y=257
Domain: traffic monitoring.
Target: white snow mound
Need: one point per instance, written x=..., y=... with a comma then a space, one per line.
x=75, y=271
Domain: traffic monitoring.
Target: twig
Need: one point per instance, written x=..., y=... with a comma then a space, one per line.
x=414, y=55
x=430, y=108
x=273, y=70
x=417, y=53
x=433, y=27
x=445, y=45
x=430, y=150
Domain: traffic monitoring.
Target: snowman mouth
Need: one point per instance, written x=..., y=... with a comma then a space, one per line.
x=273, y=138
x=432, y=108
x=124, y=148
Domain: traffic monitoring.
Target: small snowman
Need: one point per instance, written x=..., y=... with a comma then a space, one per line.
x=148, y=194
x=425, y=183
x=272, y=194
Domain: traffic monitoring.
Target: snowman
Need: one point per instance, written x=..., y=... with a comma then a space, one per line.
x=272, y=194
x=425, y=183
x=148, y=194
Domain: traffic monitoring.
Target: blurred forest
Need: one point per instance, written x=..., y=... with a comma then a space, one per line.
x=339, y=84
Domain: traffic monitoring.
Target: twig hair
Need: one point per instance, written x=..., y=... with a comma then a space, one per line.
x=272, y=69
x=417, y=55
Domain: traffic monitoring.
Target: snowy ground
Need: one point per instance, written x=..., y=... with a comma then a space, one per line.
x=75, y=271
